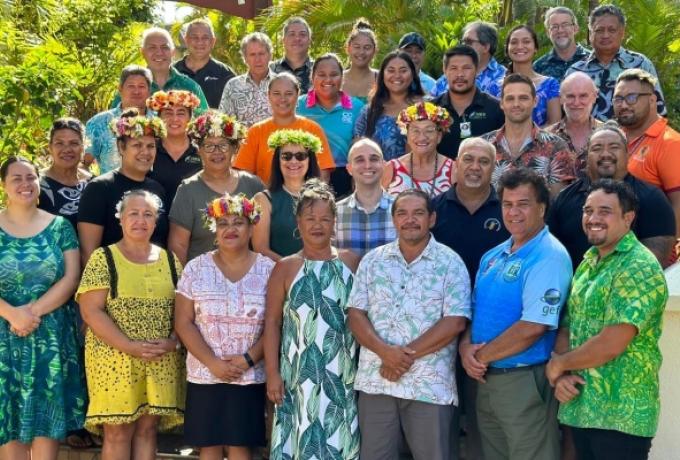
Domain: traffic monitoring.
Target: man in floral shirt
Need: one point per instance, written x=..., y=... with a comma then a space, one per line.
x=610, y=335
x=409, y=302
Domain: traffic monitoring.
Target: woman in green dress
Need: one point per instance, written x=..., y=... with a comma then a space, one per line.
x=42, y=392
x=310, y=354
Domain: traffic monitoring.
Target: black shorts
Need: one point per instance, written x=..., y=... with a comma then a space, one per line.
x=224, y=415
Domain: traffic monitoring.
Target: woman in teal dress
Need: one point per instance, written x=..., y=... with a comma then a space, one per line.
x=310, y=354
x=42, y=394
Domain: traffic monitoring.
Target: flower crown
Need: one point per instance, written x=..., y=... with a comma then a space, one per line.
x=231, y=205
x=297, y=137
x=138, y=126
x=216, y=124
x=424, y=111
x=174, y=98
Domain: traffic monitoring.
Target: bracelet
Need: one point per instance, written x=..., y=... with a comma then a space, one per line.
x=248, y=359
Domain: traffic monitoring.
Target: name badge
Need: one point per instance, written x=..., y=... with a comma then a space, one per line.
x=465, y=129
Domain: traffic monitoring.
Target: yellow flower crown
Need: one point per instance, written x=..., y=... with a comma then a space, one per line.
x=295, y=136
x=231, y=205
x=173, y=98
x=424, y=111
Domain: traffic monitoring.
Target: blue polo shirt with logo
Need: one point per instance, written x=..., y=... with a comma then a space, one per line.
x=530, y=284
x=337, y=124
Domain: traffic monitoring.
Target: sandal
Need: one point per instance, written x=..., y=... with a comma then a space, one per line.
x=79, y=439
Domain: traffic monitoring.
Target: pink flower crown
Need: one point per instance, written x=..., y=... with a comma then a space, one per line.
x=424, y=111
x=174, y=98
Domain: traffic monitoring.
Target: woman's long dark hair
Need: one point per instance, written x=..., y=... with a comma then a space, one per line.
x=376, y=106
x=534, y=37
x=276, y=178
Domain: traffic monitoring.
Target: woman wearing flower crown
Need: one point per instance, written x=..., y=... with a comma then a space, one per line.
x=219, y=315
x=294, y=162
x=176, y=157
x=136, y=137
x=217, y=137
x=135, y=371
x=423, y=167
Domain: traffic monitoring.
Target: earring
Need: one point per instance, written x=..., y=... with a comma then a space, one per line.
x=297, y=237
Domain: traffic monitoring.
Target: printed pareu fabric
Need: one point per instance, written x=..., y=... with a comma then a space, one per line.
x=42, y=387
x=318, y=417
x=626, y=287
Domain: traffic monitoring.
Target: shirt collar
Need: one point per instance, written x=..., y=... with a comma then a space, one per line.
x=430, y=251
x=528, y=246
x=625, y=244
x=265, y=80
x=345, y=100
x=593, y=56
x=451, y=195
x=384, y=203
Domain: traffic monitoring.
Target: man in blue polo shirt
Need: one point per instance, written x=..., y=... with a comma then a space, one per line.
x=520, y=288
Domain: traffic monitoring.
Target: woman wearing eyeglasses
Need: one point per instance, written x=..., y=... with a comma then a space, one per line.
x=217, y=137
x=293, y=163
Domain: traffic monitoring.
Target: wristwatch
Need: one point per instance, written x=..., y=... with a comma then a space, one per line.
x=248, y=359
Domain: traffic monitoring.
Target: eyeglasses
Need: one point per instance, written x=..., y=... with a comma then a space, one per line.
x=563, y=26
x=212, y=148
x=631, y=99
x=469, y=41
x=299, y=156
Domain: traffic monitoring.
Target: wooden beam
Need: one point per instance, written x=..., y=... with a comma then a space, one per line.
x=246, y=9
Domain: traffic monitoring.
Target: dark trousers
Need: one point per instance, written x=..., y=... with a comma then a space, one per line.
x=341, y=182
x=596, y=444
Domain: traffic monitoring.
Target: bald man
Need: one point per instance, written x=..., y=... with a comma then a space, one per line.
x=578, y=94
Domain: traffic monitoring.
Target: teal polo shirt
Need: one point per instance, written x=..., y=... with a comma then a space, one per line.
x=177, y=81
x=337, y=123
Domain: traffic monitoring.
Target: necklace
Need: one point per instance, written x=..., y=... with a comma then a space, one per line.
x=294, y=195
x=434, y=173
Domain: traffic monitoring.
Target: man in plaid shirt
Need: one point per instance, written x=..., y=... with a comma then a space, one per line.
x=364, y=221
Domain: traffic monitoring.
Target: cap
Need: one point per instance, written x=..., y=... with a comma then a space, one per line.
x=412, y=38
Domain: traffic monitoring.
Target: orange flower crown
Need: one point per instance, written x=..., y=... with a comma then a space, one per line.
x=174, y=98
x=231, y=205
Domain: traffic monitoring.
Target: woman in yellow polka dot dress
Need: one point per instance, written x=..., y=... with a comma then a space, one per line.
x=135, y=373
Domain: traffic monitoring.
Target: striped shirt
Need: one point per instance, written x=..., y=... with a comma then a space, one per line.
x=361, y=231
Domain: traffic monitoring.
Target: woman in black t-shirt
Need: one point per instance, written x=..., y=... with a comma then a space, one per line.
x=62, y=183
x=136, y=140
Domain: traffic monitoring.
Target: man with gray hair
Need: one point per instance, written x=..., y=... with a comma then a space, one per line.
x=199, y=65
x=158, y=50
x=577, y=95
x=134, y=88
x=245, y=96
x=297, y=36
x=607, y=27
x=562, y=27
x=483, y=38
x=469, y=221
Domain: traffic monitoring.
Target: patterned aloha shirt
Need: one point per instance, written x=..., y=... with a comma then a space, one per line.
x=605, y=79
x=545, y=153
x=625, y=287
x=102, y=144
x=551, y=65
x=494, y=71
x=386, y=134
x=403, y=300
x=247, y=100
x=581, y=155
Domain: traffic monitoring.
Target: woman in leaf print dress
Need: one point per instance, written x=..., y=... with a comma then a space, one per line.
x=311, y=378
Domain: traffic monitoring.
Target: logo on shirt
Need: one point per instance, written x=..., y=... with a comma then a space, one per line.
x=492, y=224
x=207, y=78
x=511, y=273
x=477, y=116
x=347, y=118
x=552, y=298
x=643, y=152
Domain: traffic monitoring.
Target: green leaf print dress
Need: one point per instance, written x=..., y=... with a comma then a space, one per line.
x=318, y=417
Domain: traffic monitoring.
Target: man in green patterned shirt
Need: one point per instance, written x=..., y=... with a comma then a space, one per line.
x=610, y=334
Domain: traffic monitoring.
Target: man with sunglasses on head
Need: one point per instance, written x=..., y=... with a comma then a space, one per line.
x=653, y=145
x=607, y=28
x=483, y=38
x=562, y=27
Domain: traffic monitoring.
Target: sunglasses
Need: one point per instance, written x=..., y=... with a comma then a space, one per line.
x=299, y=156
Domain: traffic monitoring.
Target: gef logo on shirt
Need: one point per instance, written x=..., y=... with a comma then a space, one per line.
x=347, y=118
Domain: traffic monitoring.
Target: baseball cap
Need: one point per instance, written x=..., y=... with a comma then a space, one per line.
x=412, y=38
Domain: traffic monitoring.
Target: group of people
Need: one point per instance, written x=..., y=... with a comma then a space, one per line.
x=373, y=251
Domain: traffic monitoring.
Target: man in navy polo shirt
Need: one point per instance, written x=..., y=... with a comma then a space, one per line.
x=474, y=112
x=520, y=288
x=469, y=221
